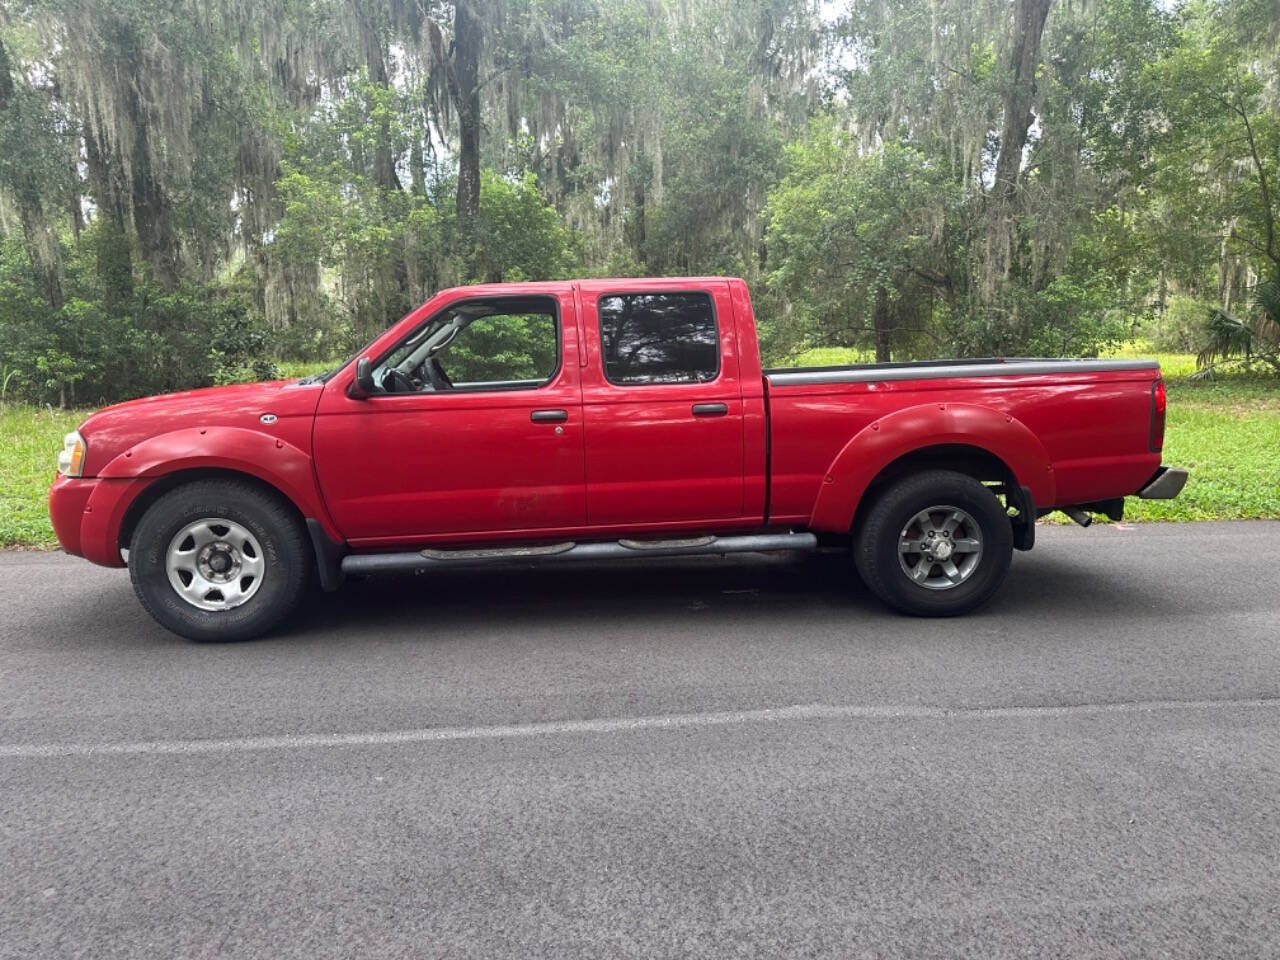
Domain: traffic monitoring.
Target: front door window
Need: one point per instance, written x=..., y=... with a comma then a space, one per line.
x=505, y=344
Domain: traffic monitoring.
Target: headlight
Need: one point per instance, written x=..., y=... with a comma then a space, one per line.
x=71, y=459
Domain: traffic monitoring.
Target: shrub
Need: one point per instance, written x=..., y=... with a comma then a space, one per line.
x=152, y=341
x=1180, y=329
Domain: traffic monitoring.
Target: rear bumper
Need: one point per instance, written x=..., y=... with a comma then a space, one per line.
x=1165, y=485
x=87, y=513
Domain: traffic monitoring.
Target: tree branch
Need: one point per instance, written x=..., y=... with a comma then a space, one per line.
x=1268, y=212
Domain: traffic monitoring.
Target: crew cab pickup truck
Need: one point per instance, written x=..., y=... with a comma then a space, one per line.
x=576, y=421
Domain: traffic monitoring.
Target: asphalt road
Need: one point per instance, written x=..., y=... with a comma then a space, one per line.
x=743, y=757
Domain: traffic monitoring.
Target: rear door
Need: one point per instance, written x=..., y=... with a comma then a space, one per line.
x=662, y=403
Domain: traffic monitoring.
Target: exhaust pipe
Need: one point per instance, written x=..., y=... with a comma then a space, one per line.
x=1078, y=515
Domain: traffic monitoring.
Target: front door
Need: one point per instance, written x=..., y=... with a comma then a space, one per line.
x=475, y=428
x=662, y=403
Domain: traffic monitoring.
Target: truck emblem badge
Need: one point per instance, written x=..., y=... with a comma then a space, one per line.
x=268, y=418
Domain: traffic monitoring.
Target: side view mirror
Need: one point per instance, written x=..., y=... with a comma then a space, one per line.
x=362, y=386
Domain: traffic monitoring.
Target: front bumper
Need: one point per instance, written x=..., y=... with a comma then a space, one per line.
x=68, y=498
x=1165, y=485
x=87, y=513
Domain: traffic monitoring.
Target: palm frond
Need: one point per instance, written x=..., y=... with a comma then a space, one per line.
x=1266, y=301
x=1226, y=338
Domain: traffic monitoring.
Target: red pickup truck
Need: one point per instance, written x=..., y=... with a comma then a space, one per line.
x=557, y=422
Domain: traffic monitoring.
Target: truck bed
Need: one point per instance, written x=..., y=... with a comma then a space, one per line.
x=1084, y=424
x=937, y=369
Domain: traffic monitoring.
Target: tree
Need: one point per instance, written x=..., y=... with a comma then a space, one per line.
x=859, y=243
x=32, y=130
x=986, y=176
x=1220, y=159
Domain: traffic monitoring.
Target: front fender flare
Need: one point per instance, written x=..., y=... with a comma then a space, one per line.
x=270, y=459
x=905, y=431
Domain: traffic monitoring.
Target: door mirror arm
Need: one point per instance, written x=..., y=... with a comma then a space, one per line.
x=362, y=386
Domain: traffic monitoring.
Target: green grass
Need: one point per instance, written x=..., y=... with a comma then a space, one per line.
x=829, y=357
x=30, y=438
x=291, y=369
x=1173, y=366
x=1227, y=432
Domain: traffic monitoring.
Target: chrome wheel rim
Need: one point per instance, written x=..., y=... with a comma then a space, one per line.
x=215, y=564
x=940, y=547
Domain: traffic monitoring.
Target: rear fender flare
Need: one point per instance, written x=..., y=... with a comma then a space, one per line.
x=266, y=458
x=882, y=442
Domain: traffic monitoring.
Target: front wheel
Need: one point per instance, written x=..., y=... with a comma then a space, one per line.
x=935, y=544
x=219, y=560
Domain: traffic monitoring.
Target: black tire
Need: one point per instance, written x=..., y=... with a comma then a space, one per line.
x=876, y=544
x=286, y=554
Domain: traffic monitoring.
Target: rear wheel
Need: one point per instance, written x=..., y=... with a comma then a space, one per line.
x=935, y=544
x=219, y=560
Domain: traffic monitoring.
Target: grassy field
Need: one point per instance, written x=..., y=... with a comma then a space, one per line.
x=1228, y=435
x=290, y=369
x=30, y=438
x=1227, y=432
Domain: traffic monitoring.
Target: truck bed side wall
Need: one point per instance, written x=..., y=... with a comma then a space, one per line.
x=1091, y=429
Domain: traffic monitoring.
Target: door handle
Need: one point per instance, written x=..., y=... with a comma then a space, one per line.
x=549, y=416
x=710, y=409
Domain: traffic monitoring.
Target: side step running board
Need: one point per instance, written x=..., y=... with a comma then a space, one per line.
x=620, y=549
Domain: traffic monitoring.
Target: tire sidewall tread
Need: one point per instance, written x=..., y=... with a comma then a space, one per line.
x=271, y=520
x=876, y=543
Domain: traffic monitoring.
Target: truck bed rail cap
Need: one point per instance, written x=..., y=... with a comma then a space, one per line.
x=937, y=371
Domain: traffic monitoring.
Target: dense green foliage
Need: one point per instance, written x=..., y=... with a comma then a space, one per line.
x=1141, y=175
x=194, y=193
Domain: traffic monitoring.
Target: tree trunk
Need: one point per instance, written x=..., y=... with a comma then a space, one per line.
x=1029, y=18
x=112, y=246
x=418, y=166
x=1268, y=211
x=41, y=242
x=6, y=78
x=467, y=40
x=384, y=169
x=384, y=161
x=40, y=239
x=152, y=210
x=640, y=238
x=153, y=223
x=73, y=202
x=882, y=321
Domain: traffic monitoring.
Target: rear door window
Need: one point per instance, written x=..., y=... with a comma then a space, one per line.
x=654, y=338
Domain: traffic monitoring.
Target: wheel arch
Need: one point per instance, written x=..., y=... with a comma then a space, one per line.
x=166, y=482
x=973, y=461
x=978, y=441
x=233, y=452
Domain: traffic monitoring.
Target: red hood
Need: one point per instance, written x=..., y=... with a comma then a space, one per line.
x=111, y=431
